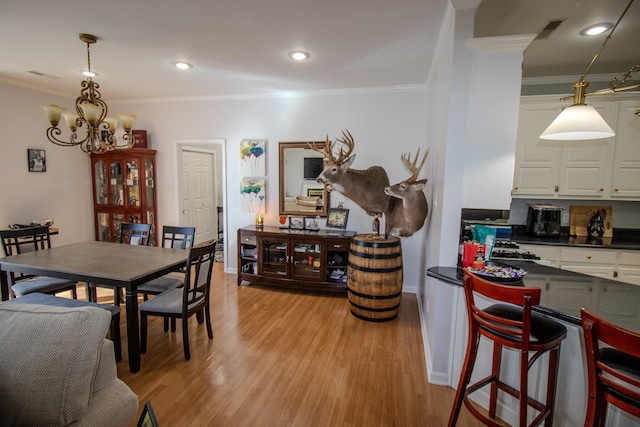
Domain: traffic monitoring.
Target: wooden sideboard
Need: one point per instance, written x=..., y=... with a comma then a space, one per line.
x=313, y=260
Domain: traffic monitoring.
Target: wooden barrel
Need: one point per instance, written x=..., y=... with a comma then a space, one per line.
x=374, y=277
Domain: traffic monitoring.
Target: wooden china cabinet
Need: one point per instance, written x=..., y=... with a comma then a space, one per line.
x=124, y=190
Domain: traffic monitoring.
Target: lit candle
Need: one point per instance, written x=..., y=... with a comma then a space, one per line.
x=259, y=220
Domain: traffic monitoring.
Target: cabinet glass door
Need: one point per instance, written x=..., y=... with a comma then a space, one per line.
x=150, y=179
x=307, y=261
x=104, y=227
x=274, y=257
x=100, y=171
x=133, y=184
x=117, y=195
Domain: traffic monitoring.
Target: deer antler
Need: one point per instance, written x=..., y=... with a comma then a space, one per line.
x=348, y=141
x=326, y=151
x=406, y=159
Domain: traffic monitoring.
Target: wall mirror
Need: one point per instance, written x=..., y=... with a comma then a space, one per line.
x=300, y=194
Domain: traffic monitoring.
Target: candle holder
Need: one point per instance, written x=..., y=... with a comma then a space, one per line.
x=259, y=222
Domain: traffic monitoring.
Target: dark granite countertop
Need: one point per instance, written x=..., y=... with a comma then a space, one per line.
x=565, y=292
x=622, y=239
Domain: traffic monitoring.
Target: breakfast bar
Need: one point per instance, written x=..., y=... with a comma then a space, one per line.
x=564, y=293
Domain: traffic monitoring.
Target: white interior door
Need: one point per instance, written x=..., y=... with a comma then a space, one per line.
x=198, y=194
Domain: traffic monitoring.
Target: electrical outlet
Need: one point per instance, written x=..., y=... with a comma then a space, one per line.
x=565, y=217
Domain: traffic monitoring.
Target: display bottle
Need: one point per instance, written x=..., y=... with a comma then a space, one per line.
x=375, y=228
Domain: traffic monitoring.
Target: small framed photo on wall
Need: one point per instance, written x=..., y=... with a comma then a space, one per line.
x=37, y=160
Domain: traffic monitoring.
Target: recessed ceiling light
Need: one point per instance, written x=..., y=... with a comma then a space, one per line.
x=182, y=65
x=299, y=55
x=594, y=30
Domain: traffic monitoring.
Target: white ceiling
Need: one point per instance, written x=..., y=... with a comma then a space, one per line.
x=239, y=47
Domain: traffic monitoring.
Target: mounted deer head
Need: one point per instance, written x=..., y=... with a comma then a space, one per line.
x=364, y=187
x=408, y=208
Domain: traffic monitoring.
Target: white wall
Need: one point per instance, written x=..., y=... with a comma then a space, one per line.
x=63, y=192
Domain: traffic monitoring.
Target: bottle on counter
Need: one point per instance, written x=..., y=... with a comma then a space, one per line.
x=375, y=227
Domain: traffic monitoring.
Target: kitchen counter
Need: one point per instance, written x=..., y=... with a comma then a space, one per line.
x=622, y=239
x=565, y=292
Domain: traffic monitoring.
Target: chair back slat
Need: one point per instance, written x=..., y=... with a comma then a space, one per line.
x=613, y=380
x=497, y=327
x=199, y=268
x=135, y=234
x=178, y=237
x=23, y=240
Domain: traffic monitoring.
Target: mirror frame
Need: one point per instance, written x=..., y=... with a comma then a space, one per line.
x=283, y=146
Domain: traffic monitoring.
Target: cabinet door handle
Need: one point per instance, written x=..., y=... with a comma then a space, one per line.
x=615, y=274
x=557, y=188
x=602, y=189
x=588, y=256
x=615, y=189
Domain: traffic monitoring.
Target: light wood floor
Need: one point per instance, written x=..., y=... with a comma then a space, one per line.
x=283, y=358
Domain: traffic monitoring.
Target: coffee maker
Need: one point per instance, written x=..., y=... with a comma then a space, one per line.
x=544, y=220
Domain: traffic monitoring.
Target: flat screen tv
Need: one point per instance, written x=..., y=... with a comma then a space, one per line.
x=313, y=167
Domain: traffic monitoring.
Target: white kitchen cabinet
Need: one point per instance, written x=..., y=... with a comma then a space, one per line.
x=620, y=265
x=625, y=182
x=601, y=169
x=546, y=253
x=559, y=169
x=628, y=267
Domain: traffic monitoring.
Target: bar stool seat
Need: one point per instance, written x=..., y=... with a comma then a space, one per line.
x=613, y=370
x=511, y=325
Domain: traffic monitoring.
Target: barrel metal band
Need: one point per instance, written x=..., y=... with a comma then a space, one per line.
x=373, y=319
x=375, y=244
x=376, y=270
x=375, y=256
x=375, y=310
x=358, y=294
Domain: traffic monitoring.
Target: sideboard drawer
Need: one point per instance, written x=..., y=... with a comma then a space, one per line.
x=248, y=240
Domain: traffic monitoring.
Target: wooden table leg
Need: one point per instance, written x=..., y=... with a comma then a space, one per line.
x=133, y=329
x=4, y=285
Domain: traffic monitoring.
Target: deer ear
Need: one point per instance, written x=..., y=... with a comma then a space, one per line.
x=419, y=185
x=350, y=160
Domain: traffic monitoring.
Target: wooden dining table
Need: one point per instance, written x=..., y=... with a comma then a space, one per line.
x=109, y=264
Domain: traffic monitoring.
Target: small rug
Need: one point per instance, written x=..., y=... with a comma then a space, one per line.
x=219, y=254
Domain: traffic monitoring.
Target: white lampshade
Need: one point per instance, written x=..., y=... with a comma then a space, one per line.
x=127, y=121
x=70, y=119
x=578, y=122
x=91, y=112
x=53, y=113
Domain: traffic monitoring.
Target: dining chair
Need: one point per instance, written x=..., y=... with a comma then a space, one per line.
x=174, y=238
x=613, y=368
x=132, y=234
x=31, y=239
x=182, y=303
x=509, y=324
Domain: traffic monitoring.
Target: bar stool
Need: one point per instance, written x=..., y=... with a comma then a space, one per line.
x=514, y=326
x=613, y=370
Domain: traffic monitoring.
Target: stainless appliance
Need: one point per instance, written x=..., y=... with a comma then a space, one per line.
x=506, y=249
x=544, y=220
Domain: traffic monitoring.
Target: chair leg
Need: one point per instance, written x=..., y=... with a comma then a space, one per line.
x=166, y=323
x=199, y=318
x=115, y=336
x=495, y=372
x=207, y=316
x=185, y=337
x=173, y=324
x=74, y=293
x=465, y=376
x=551, y=384
x=524, y=384
x=143, y=333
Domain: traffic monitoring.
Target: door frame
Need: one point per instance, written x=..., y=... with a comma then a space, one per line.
x=205, y=146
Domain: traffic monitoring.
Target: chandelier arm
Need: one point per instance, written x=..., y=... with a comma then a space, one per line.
x=605, y=41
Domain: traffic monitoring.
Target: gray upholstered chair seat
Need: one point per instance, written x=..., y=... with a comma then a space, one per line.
x=169, y=302
x=162, y=284
x=41, y=284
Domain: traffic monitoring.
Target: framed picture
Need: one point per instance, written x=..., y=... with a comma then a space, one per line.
x=147, y=418
x=311, y=223
x=252, y=157
x=296, y=223
x=37, y=160
x=337, y=218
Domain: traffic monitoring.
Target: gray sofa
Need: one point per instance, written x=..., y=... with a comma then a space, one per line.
x=58, y=369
